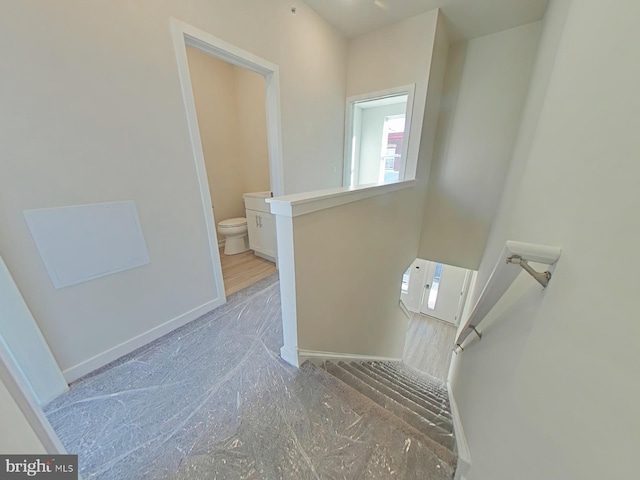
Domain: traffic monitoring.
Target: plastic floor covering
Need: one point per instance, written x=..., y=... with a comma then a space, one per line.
x=213, y=400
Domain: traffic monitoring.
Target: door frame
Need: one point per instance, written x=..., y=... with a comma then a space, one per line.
x=185, y=35
x=466, y=286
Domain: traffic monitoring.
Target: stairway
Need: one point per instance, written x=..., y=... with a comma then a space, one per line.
x=415, y=404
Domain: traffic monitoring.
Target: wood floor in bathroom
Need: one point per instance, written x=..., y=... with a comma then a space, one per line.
x=244, y=269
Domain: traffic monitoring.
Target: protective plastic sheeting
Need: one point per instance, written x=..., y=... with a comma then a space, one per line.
x=213, y=400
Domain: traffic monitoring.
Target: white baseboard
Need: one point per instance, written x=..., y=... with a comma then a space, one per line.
x=108, y=356
x=304, y=355
x=464, y=454
x=290, y=357
x=265, y=256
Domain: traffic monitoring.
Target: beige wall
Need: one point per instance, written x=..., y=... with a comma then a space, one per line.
x=396, y=56
x=476, y=138
x=230, y=102
x=250, y=101
x=551, y=391
x=92, y=111
x=349, y=259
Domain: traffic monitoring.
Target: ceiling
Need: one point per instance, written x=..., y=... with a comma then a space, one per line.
x=470, y=18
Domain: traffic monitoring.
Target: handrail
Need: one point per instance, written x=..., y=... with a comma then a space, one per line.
x=518, y=253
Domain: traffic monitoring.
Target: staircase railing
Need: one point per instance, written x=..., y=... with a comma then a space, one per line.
x=501, y=278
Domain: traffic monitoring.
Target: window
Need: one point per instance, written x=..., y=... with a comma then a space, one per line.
x=377, y=137
x=435, y=286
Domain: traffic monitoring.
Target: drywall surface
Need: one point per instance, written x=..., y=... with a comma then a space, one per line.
x=395, y=56
x=18, y=437
x=476, y=143
x=551, y=391
x=92, y=112
x=233, y=129
x=343, y=273
x=250, y=103
x=349, y=264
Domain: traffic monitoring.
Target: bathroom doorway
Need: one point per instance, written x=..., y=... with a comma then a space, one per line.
x=232, y=103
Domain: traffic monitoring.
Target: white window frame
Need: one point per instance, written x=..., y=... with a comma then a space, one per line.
x=408, y=90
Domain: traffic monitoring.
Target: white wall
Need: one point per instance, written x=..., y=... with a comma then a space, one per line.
x=395, y=56
x=230, y=103
x=92, y=111
x=551, y=391
x=340, y=291
x=476, y=139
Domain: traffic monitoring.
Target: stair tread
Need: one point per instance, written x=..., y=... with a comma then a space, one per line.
x=362, y=405
x=434, y=412
x=417, y=382
x=422, y=424
x=441, y=402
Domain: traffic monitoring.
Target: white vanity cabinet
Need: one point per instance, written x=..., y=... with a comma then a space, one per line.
x=261, y=225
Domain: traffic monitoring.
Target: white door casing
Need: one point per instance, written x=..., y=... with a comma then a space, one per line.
x=185, y=35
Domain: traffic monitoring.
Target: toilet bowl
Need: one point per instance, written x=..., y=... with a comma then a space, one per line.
x=235, y=232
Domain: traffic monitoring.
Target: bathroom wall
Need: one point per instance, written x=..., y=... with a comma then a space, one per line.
x=250, y=101
x=230, y=102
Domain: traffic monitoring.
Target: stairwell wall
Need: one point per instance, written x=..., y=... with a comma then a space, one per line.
x=343, y=287
x=550, y=391
x=485, y=91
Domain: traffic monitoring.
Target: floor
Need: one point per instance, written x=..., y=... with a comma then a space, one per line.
x=428, y=345
x=213, y=400
x=244, y=269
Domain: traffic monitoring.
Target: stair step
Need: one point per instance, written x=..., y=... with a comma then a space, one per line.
x=431, y=411
x=434, y=385
x=363, y=405
x=440, y=402
x=422, y=382
x=405, y=414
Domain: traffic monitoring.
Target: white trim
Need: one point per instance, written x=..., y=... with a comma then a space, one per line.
x=408, y=90
x=304, y=355
x=128, y=346
x=464, y=454
x=288, y=356
x=288, y=301
x=185, y=34
x=19, y=389
x=404, y=309
x=25, y=345
x=308, y=202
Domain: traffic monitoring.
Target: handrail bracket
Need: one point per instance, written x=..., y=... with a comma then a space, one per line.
x=541, y=277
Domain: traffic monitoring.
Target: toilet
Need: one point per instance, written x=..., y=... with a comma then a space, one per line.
x=235, y=232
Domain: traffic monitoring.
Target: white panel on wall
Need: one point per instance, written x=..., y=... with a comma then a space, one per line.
x=84, y=242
